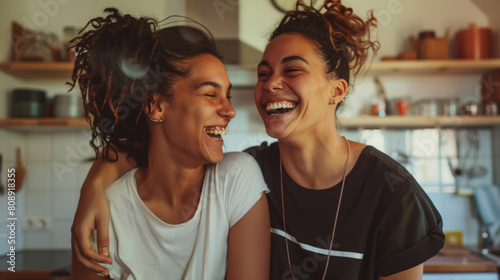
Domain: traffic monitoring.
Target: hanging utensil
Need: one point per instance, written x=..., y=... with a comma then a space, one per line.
x=2, y=188
x=450, y=147
x=380, y=109
x=476, y=170
x=19, y=170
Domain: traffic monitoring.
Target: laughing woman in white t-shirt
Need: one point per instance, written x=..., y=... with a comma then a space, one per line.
x=187, y=211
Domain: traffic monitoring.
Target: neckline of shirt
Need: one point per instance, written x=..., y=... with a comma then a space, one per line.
x=290, y=183
x=147, y=211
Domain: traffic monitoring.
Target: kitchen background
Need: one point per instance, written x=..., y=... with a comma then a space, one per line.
x=56, y=161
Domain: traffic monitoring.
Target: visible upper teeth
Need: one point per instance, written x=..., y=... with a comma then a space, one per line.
x=279, y=105
x=216, y=130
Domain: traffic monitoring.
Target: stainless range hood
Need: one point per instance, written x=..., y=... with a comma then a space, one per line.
x=239, y=58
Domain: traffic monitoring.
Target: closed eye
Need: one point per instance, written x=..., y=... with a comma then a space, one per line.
x=263, y=76
x=292, y=71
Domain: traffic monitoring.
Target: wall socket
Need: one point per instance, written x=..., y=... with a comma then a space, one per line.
x=35, y=222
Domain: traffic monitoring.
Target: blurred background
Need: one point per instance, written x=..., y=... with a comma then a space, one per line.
x=429, y=99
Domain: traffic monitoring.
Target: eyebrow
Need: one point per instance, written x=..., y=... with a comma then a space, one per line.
x=284, y=60
x=211, y=84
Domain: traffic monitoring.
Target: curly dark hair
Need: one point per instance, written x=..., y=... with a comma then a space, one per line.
x=122, y=64
x=341, y=37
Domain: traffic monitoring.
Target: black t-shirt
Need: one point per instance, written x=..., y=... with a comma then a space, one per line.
x=386, y=223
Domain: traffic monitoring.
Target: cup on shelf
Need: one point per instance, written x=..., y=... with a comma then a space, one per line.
x=403, y=106
x=28, y=103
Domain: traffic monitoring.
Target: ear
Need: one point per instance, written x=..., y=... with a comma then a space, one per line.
x=157, y=109
x=338, y=90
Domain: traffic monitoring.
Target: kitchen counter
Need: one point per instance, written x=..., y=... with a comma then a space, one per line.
x=47, y=264
x=39, y=264
x=452, y=264
x=455, y=259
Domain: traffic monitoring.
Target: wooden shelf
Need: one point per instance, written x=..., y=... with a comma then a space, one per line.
x=44, y=124
x=419, y=122
x=449, y=66
x=59, y=70
x=38, y=70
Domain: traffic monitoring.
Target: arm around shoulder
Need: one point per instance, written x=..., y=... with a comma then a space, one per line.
x=93, y=211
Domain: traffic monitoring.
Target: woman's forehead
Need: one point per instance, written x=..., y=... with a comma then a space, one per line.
x=206, y=69
x=290, y=45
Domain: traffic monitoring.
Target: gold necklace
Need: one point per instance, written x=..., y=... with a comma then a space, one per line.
x=336, y=215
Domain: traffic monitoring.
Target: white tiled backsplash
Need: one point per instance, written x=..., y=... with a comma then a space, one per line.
x=55, y=168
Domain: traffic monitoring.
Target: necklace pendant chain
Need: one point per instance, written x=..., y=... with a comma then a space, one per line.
x=336, y=214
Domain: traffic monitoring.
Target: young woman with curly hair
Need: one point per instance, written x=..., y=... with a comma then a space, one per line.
x=339, y=209
x=161, y=98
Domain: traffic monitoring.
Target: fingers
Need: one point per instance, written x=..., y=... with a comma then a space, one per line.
x=80, y=239
x=77, y=253
x=103, y=235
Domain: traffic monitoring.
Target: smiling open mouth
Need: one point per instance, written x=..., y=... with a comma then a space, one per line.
x=215, y=132
x=280, y=107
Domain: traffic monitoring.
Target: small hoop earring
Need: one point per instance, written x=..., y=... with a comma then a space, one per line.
x=157, y=121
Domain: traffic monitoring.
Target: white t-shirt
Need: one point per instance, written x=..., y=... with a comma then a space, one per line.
x=144, y=247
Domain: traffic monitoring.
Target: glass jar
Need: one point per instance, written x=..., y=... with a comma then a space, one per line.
x=37, y=48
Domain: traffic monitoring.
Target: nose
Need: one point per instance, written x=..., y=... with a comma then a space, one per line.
x=227, y=109
x=273, y=83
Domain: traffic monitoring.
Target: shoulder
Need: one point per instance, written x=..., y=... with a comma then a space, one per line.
x=237, y=161
x=263, y=149
x=236, y=158
x=394, y=184
x=265, y=153
x=238, y=169
x=384, y=168
x=387, y=181
x=123, y=186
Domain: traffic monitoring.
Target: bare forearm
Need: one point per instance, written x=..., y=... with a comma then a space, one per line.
x=93, y=213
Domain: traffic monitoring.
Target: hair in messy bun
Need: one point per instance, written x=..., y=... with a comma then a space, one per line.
x=123, y=62
x=341, y=37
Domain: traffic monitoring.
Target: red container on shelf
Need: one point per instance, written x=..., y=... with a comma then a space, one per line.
x=474, y=43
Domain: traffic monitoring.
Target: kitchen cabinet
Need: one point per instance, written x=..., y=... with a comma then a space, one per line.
x=62, y=70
